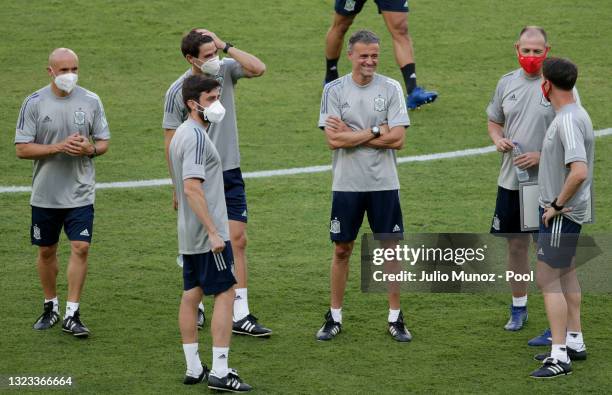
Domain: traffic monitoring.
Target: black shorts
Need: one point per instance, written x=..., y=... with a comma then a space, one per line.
x=507, y=216
x=235, y=195
x=383, y=209
x=214, y=273
x=557, y=242
x=47, y=224
x=353, y=7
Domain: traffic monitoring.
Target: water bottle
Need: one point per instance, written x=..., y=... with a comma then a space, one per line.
x=521, y=174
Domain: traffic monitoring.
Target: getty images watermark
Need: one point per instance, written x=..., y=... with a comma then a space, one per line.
x=466, y=262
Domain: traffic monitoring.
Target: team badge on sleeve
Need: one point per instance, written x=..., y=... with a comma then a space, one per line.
x=349, y=5
x=379, y=104
x=79, y=117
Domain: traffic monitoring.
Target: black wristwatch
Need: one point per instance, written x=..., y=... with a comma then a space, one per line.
x=555, y=206
x=228, y=45
x=376, y=131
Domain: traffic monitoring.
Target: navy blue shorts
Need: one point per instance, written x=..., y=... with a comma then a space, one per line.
x=507, y=216
x=383, y=209
x=47, y=224
x=235, y=195
x=557, y=242
x=354, y=7
x=214, y=273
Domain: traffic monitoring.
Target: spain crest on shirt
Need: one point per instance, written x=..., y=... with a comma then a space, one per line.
x=379, y=104
x=79, y=117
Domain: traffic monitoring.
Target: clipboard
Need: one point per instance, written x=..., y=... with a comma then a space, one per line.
x=529, y=194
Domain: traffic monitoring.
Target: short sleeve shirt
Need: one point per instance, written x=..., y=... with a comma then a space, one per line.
x=223, y=134
x=193, y=155
x=570, y=138
x=61, y=180
x=363, y=169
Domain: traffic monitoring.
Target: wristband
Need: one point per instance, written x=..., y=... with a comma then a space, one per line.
x=95, y=153
x=228, y=45
x=555, y=206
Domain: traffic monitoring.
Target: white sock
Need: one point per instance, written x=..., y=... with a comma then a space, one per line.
x=521, y=301
x=201, y=306
x=241, y=304
x=219, y=362
x=575, y=341
x=192, y=357
x=336, y=314
x=71, y=308
x=393, y=315
x=55, y=304
x=559, y=351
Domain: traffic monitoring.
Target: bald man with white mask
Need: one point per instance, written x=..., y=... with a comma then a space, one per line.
x=62, y=127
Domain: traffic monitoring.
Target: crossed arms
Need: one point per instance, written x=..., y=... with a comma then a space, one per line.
x=340, y=135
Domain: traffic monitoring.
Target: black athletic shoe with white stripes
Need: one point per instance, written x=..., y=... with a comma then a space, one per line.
x=249, y=326
x=574, y=355
x=398, y=330
x=552, y=368
x=74, y=325
x=47, y=319
x=201, y=319
x=230, y=383
x=190, y=380
x=330, y=328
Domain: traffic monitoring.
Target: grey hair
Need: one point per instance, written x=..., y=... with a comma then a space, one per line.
x=362, y=36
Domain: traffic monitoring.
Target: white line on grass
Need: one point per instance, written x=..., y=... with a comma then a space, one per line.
x=295, y=170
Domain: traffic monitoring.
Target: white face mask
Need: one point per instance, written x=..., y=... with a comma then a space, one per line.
x=66, y=82
x=213, y=113
x=211, y=66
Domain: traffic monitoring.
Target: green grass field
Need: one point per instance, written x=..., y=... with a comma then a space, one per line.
x=129, y=54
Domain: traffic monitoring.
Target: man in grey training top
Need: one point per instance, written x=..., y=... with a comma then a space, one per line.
x=62, y=127
x=203, y=234
x=365, y=118
x=518, y=115
x=566, y=182
x=200, y=49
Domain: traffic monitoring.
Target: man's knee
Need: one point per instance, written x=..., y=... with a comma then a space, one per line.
x=79, y=248
x=239, y=240
x=398, y=28
x=342, y=251
x=518, y=247
x=342, y=23
x=47, y=254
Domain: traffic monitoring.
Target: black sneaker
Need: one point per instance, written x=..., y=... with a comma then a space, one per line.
x=190, y=380
x=552, y=368
x=573, y=355
x=231, y=382
x=249, y=326
x=201, y=319
x=330, y=328
x=47, y=319
x=75, y=326
x=398, y=330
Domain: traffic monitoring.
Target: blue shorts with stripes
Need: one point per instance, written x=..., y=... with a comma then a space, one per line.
x=354, y=7
x=557, y=242
x=214, y=273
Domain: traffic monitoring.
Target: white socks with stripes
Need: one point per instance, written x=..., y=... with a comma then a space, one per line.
x=575, y=341
x=192, y=357
x=559, y=352
x=241, y=305
x=55, y=304
x=71, y=308
x=219, y=361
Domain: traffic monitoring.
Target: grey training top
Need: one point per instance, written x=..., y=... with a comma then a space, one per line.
x=193, y=155
x=223, y=134
x=569, y=138
x=61, y=180
x=362, y=169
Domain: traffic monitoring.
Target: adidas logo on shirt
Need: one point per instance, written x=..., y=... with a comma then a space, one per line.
x=47, y=119
x=513, y=97
x=84, y=233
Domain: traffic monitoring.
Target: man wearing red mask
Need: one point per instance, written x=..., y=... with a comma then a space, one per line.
x=518, y=116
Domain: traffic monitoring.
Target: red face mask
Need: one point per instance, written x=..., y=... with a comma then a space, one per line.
x=531, y=64
x=545, y=92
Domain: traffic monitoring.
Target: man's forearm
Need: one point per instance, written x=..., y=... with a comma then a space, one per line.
x=348, y=139
x=168, y=134
x=574, y=179
x=250, y=63
x=496, y=131
x=197, y=201
x=36, y=151
x=392, y=140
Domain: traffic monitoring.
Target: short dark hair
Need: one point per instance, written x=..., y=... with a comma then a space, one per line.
x=534, y=28
x=190, y=45
x=561, y=72
x=194, y=85
x=362, y=36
